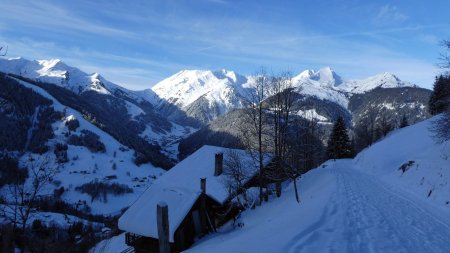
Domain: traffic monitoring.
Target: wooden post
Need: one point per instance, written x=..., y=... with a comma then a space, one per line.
x=162, y=213
x=202, y=210
x=218, y=165
x=203, y=185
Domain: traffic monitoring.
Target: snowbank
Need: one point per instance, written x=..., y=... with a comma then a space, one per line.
x=411, y=157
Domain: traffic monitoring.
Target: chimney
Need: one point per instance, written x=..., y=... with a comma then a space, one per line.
x=218, y=168
x=203, y=185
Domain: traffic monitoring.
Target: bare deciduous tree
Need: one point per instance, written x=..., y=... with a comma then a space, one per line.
x=254, y=133
x=280, y=104
x=23, y=194
x=445, y=57
x=305, y=150
x=238, y=174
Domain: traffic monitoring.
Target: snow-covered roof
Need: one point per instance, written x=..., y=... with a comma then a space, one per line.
x=179, y=188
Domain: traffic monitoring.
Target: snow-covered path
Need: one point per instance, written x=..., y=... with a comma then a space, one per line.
x=365, y=215
x=353, y=212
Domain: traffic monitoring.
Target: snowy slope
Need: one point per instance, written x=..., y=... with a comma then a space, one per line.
x=186, y=86
x=85, y=166
x=326, y=84
x=360, y=205
x=428, y=172
x=54, y=71
x=342, y=210
x=323, y=84
x=385, y=80
x=223, y=90
x=201, y=94
x=111, y=245
x=157, y=130
x=57, y=72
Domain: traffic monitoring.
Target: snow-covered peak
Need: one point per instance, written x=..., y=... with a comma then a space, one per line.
x=56, y=72
x=231, y=75
x=52, y=63
x=306, y=74
x=186, y=86
x=327, y=75
x=384, y=80
x=324, y=75
x=323, y=84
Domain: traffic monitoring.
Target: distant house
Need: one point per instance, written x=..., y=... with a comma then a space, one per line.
x=195, y=208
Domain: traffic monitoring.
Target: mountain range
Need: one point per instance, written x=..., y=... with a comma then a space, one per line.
x=125, y=129
x=202, y=95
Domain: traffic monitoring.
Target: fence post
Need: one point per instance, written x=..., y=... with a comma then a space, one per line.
x=162, y=214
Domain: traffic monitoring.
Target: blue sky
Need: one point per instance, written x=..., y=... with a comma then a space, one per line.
x=138, y=43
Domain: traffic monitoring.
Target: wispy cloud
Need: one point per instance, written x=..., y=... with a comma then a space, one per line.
x=150, y=40
x=429, y=39
x=132, y=72
x=42, y=15
x=389, y=15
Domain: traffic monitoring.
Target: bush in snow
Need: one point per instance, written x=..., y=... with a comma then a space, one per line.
x=72, y=124
x=75, y=140
x=406, y=166
x=92, y=142
x=100, y=190
x=87, y=139
x=61, y=153
x=10, y=171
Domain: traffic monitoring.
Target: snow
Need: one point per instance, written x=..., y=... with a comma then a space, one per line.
x=355, y=205
x=179, y=188
x=169, y=140
x=85, y=166
x=311, y=114
x=141, y=218
x=187, y=86
x=115, y=244
x=430, y=170
x=223, y=90
x=388, y=106
x=327, y=85
x=57, y=72
x=324, y=75
x=385, y=80
x=278, y=224
x=133, y=110
x=342, y=210
x=323, y=84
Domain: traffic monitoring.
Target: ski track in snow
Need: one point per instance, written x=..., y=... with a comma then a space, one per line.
x=372, y=217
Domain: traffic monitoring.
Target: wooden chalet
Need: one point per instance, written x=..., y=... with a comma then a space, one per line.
x=196, y=195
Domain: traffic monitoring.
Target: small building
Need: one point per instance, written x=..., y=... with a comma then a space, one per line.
x=196, y=193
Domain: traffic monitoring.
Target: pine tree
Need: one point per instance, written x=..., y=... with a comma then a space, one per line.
x=339, y=144
x=440, y=97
